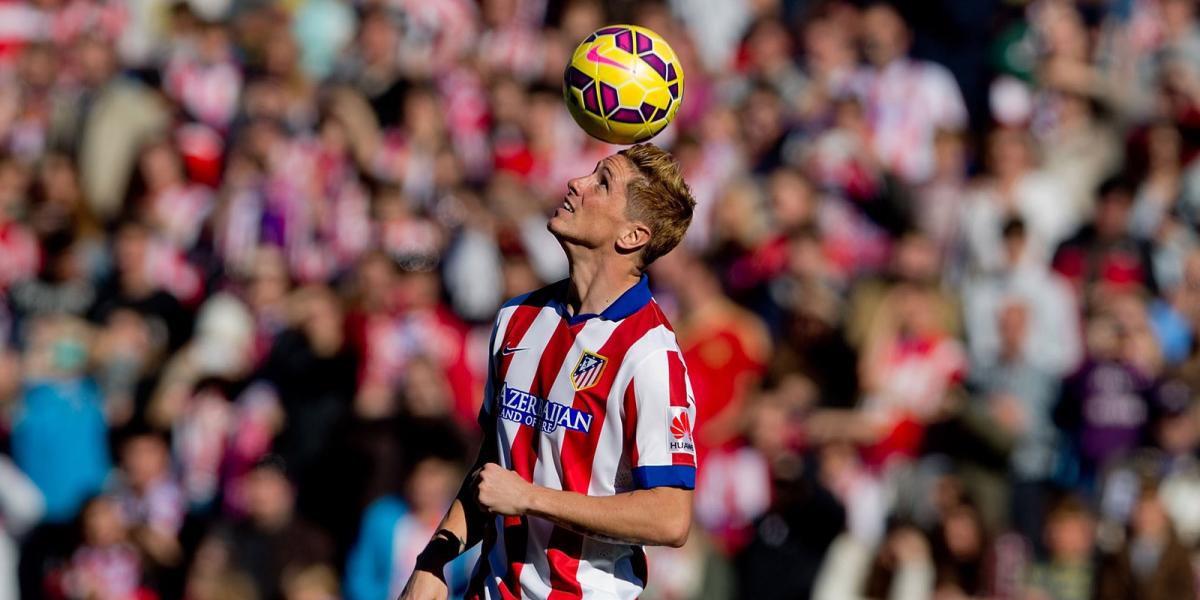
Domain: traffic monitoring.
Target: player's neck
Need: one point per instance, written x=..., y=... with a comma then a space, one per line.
x=596, y=284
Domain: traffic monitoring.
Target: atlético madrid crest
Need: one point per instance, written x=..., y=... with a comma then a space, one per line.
x=587, y=371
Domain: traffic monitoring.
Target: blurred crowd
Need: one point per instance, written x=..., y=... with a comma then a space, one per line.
x=939, y=303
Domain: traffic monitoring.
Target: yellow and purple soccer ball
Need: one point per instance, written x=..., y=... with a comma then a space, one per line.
x=624, y=84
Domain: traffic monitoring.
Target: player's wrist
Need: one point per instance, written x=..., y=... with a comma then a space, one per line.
x=443, y=547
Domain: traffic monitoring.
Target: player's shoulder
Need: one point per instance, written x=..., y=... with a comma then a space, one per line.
x=655, y=336
x=659, y=316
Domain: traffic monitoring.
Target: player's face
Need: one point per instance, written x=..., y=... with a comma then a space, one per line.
x=593, y=211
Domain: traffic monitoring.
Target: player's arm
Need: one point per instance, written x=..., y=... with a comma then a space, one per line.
x=660, y=516
x=463, y=525
x=461, y=528
x=464, y=519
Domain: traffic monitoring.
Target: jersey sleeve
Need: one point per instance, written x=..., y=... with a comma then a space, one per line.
x=660, y=413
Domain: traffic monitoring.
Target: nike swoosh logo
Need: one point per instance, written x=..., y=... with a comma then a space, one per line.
x=510, y=350
x=593, y=55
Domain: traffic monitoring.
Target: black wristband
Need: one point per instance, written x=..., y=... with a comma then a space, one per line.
x=459, y=544
x=443, y=547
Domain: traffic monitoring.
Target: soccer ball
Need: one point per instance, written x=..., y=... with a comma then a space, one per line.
x=623, y=84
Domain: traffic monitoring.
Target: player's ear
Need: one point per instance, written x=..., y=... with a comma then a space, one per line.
x=634, y=237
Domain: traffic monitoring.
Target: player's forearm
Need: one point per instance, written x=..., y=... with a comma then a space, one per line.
x=428, y=579
x=450, y=540
x=461, y=527
x=656, y=517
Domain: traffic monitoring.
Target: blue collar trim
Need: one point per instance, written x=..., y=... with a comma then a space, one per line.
x=628, y=303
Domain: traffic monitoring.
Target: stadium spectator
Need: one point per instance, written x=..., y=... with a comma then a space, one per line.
x=1052, y=342
x=1152, y=563
x=272, y=541
x=962, y=552
x=1102, y=252
x=60, y=435
x=1070, y=569
x=906, y=100
x=106, y=564
x=1013, y=188
x=1021, y=396
x=902, y=568
x=151, y=501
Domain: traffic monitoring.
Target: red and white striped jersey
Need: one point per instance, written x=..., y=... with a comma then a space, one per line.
x=594, y=404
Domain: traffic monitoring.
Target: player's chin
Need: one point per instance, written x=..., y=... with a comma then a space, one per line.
x=559, y=223
x=565, y=231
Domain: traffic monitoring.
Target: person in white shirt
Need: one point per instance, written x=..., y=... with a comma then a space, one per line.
x=1014, y=188
x=907, y=100
x=1054, y=343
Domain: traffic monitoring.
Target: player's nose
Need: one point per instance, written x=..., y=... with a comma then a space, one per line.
x=573, y=185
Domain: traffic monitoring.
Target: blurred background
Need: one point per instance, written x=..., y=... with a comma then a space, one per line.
x=940, y=300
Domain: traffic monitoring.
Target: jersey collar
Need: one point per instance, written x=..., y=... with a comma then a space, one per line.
x=628, y=303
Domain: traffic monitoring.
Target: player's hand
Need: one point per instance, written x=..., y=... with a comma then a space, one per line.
x=424, y=585
x=502, y=492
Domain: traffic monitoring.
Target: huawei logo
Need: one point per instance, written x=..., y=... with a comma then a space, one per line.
x=681, y=426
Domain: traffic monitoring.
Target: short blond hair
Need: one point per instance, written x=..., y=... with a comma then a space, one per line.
x=659, y=197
